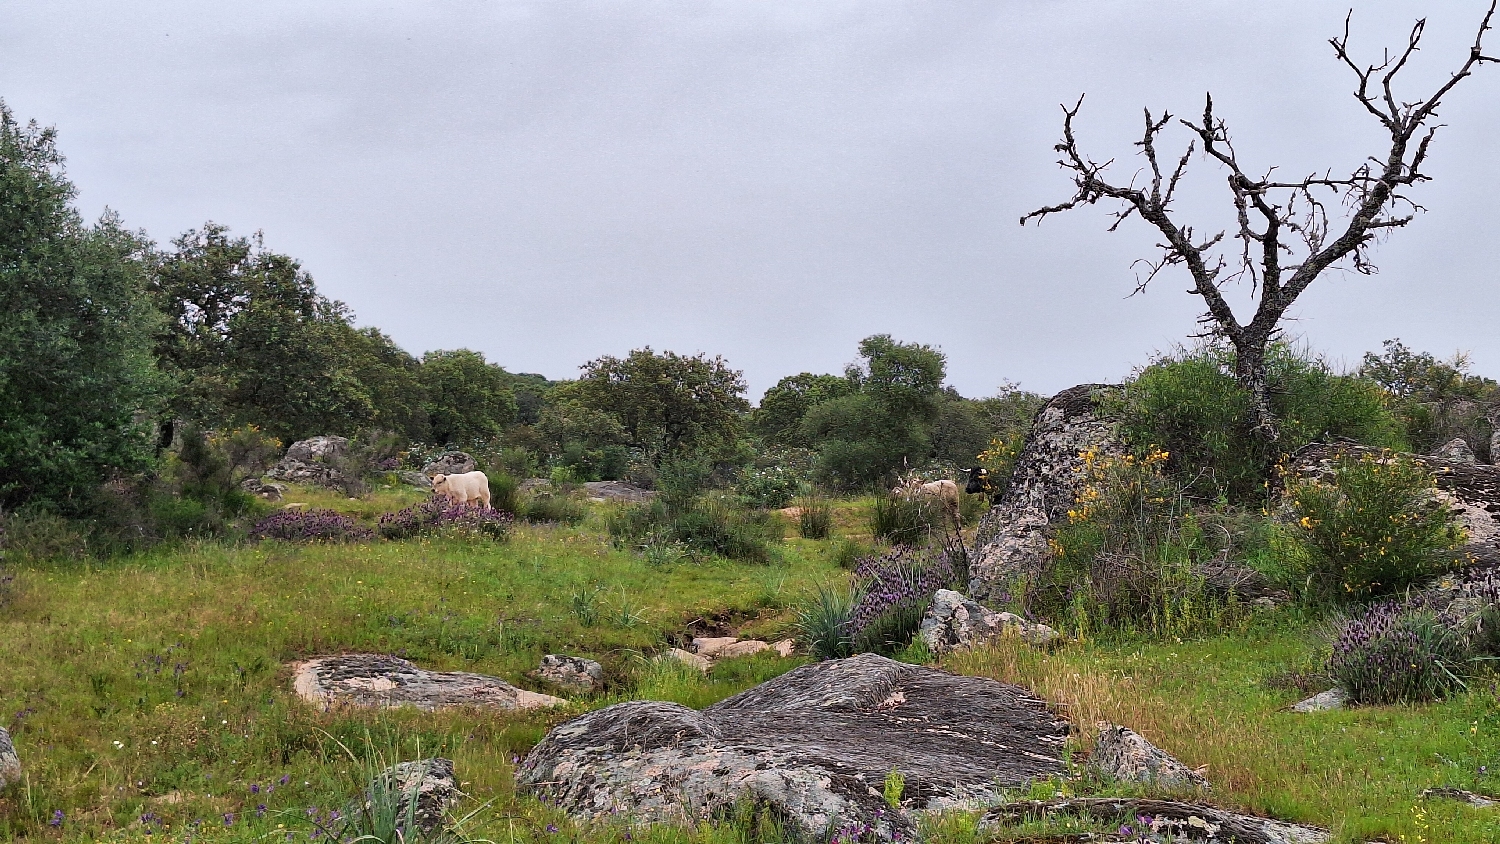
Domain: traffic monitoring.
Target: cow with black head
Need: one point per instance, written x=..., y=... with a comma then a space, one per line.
x=980, y=482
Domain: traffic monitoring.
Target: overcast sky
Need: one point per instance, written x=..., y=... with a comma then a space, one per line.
x=770, y=181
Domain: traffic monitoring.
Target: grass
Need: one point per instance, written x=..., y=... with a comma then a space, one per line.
x=148, y=693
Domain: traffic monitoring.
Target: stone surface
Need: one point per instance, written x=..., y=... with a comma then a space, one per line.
x=571, y=672
x=784, y=647
x=1170, y=820
x=702, y=663
x=1472, y=490
x=1479, y=801
x=954, y=622
x=710, y=646
x=617, y=491
x=531, y=485
x=269, y=490
x=10, y=761
x=1125, y=755
x=450, y=463
x=377, y=681
x=1334, y=698
x=1457, y=450
x=306, y=462
x=416, y=479
x=1493, y=417
x=813, y=745
x=1011, y=542
x=430, y=782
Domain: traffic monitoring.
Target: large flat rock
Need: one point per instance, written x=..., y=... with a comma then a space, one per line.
x=377, y=681
x=814, y=745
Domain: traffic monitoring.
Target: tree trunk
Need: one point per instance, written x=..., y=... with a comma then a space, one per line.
x=1250, y=372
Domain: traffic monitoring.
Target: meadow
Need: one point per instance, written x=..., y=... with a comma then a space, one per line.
x=150, y=700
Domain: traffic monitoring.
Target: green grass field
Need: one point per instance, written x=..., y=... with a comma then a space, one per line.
x=149, y=696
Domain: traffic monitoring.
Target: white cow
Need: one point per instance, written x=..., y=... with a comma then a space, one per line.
x=462, y=489
x=945, y=491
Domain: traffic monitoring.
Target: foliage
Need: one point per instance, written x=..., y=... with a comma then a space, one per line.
x=505, y=493
x=467, y=398
x=439, y=515
x=666, y=405
x=37, y=533
x=893, y=592
x=252, y=342
x=78, y=386
x=814, y=517
x=959, y=431
x=823, y=623
x=778, y=418
x=1373, y=529
x=392, y=377
x=1190, y=406
x=866, y=436
x=1434, y=400
x=1129, y=556
x=846, y=553
x=553, y=507
x=310, y=526
x=769, y=486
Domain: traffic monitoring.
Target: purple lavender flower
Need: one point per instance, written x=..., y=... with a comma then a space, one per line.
x=309, y=526
x=57, y=818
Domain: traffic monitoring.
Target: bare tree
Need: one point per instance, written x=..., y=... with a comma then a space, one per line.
x=1287, y=235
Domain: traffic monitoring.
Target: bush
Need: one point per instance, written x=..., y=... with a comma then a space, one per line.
x=814, y=518
x=552, y=507
x=770, y=486
x=38, y=533
x=310, y=526
x=823, y=623
x=438, y=515
x=892, y=594
x=505, y=493
x=907, y=520
x=714, y=526
x=1189, y=406
x=1130, y=555
x=1397, y=653
x=1375, y=529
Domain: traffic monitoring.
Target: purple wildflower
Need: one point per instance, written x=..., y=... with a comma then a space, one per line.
x=57, y=818
x=309, y=526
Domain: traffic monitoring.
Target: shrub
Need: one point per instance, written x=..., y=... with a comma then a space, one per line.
x=38, y=533
x=1189, y=405
x=907, y=520
x=552, y=507
x=310, y=526
x=814, y=518
x=823, y=623
x=1130, y=554
x=893, y=592
x=1372, y=530
x=715, y=526
x=505, y=493
x=1398, y=652
x=845, y=553
x=769, y=486
x=438, y=515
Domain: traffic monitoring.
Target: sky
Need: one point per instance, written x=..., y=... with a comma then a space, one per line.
x=770, y=181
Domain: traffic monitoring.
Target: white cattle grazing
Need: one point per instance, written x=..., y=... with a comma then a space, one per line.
x=463, y=489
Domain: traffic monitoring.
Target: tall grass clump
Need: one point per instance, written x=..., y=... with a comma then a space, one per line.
x=814, y=517
x=553, y=507
x=907, y=520
x=710, y=525
x=823, y=623
x=505, y=493
x=310, y=526
x=1373, y=528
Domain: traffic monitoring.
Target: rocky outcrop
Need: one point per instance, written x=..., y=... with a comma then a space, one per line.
x=1012, y=539
x=616, y=491
x=573, y=673
x=954, y=623
x=1157, y=820
x=1456, y=449
x=450, y=463
x=308, y=462
x=267, y=490
x=1470, y=489
x=429, y=782
x=1125, y=755
x=10, y=761
x=813, y=745
x=1334, y=698
x=377, y=681
x=1478, y=801
x=416, y=479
